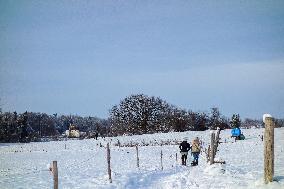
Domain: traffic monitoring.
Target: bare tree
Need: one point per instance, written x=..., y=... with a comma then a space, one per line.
x=139, y=114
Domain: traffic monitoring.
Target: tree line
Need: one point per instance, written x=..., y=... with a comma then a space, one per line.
x=142, y=114
x=135, y=114
x=30, y=126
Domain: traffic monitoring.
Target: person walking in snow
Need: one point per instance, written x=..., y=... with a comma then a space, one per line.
x=195, y=150
x=184, y=148
x=96, y=135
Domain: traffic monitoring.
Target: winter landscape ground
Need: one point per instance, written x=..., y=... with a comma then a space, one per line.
x=83, y=163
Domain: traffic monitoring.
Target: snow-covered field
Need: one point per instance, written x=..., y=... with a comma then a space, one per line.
x=83, y=163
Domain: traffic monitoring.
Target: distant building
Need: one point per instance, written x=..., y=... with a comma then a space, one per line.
x=73, y=132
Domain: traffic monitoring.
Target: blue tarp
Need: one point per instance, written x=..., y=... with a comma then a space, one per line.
x=236, y=132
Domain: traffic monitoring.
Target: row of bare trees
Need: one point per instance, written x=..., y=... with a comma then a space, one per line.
x=140, y=114
x=30, y=126
x=136, y=114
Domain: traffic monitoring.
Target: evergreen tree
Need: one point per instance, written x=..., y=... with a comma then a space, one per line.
x=235, y=122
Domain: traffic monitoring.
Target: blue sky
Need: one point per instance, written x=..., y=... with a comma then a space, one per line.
x=83, y=57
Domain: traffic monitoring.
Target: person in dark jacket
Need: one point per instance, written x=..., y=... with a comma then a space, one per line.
x=184, y=148
x=96, y=136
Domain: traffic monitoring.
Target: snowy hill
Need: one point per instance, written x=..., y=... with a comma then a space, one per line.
x=83, y=164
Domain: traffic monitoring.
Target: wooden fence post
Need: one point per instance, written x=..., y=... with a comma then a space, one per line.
x=118, y=143
x=208, y=154
x=269, y=150
x=55, y=174
x=176, y=157
x=216, y=142
x=162, y=159
x=137, y=156
x=108, y=163
x=212, y=148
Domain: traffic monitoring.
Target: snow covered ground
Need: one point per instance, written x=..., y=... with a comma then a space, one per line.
x=83, y=163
